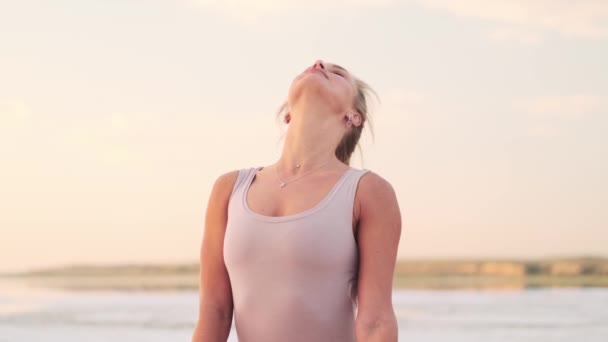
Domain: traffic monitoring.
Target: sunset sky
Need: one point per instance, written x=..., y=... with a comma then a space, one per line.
x=117, y=116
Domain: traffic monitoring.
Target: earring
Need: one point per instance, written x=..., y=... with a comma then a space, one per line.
x=287, y=118
x=349, y=123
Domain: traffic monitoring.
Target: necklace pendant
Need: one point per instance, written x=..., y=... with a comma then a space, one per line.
x=282, y=185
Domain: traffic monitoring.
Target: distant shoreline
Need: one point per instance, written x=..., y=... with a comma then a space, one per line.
x=575, y=266
x=412, y=274
x=189, y=282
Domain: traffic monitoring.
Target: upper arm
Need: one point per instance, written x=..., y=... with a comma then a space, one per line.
x=215, y=290
x=378, y=236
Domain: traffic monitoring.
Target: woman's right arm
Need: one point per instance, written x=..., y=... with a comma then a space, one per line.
x=215, y=294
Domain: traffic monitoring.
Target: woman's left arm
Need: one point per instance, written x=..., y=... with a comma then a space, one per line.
x=378, y=233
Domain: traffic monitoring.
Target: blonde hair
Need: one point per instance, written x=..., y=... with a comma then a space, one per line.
x=350, y=140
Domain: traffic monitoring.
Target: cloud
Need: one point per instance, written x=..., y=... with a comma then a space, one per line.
x=404, y=107
x=404, y=97
x=276, y=6
x=14, y=113
x=520, y=20
x=582, y=18
x=252, y=11
x=524, y=37
x=118, y=122
x=542, y=130
x=548, y=116
x=563, y=107
x=105, y=140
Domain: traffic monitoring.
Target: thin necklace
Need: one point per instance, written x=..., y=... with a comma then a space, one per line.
x=283, y=183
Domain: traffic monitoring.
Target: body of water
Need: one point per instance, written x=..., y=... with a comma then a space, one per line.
x=543, y=314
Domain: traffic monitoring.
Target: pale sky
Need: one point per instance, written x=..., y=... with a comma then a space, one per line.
x=117, y=116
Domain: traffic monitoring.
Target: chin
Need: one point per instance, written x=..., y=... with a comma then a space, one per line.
x=311, y=85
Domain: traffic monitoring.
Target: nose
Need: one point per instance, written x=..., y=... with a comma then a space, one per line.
x=318, y=64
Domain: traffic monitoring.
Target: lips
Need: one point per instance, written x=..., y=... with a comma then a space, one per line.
x=313, y=69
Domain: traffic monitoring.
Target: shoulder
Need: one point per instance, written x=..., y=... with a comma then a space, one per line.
x=224, y=183
x=372, y=185
x=374, y=194
x=226, y=178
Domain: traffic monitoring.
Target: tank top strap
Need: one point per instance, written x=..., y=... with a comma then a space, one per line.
x=353, y=180
x=352, y=183
x=244, y=175
x=345, y=195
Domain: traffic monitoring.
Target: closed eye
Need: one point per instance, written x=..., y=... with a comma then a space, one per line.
x=339, y=70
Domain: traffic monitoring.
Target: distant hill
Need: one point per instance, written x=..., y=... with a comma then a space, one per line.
x=574, y=266
x=115, y=270
x=577, y=266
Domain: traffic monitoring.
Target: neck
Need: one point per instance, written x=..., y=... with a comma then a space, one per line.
x=311, y=141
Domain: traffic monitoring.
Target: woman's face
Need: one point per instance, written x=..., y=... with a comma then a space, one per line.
x=326, y=82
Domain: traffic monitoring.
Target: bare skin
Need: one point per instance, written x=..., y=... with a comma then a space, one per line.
x=215, y=293
x=319, y=101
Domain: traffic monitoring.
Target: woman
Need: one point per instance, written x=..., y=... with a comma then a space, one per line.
x=304, y=249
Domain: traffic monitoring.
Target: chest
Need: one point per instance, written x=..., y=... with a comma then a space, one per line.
x=266, y=198
x=318, y=241
x=310, y=224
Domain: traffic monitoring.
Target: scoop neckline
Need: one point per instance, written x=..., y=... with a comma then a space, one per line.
x=320, y=205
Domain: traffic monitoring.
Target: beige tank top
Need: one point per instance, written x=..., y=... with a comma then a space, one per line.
x=293, y=277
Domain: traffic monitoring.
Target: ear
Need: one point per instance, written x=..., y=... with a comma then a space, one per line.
x=356, y=119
